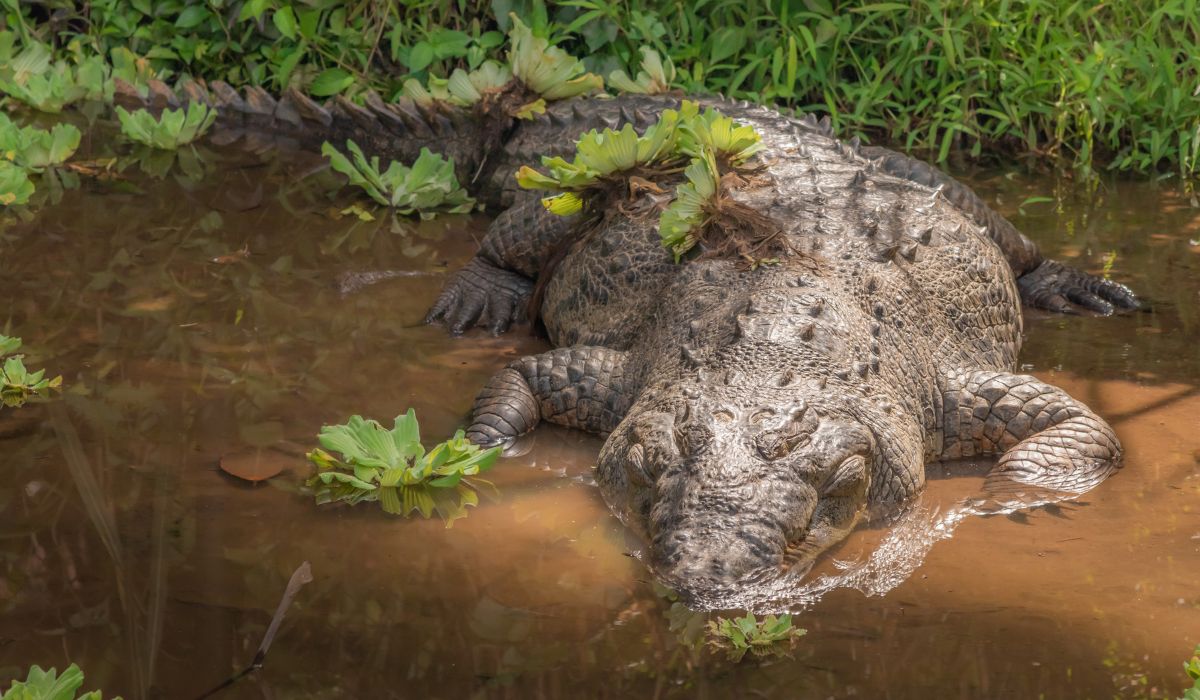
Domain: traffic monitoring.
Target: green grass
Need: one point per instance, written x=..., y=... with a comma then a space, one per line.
x=1094, y=84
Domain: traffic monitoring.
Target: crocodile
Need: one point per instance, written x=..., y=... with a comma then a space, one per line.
x=753, y=416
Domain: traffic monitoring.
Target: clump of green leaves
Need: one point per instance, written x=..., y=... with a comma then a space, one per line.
x=655, y=77
x=34, y=149
x=601, y=157
x=15, y=186
x=18, y=384
x=462, y=88
x=32, y=76
x=171, y=129
x=771, y=636
x=427, y=187
x=547, y=70
x=1192, y=668
x=682, y=221
x=393, y=468
x=48, y=685
x=717, y=147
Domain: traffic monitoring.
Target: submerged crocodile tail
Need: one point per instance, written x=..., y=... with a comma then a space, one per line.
x=393, y=131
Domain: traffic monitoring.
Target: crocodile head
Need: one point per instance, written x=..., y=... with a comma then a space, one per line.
x=733, y=492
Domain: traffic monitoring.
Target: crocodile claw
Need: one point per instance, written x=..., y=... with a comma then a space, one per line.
x=481, y=294
x=1057, y=287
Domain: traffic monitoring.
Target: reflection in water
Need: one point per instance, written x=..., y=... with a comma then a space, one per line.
x=237, y=310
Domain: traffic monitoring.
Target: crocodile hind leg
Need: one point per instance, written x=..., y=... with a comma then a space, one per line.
x=1050, y=445
x=494, y=287
x=1044, y=284
x=581, y=387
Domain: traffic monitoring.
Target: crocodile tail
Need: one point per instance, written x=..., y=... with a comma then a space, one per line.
x=393, y=131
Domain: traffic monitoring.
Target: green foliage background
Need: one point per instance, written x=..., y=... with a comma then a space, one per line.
x=1092, y=83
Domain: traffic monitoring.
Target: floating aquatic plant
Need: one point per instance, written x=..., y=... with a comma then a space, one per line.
x=601, y=156
x=655, y=77
x=683, y=220
x=732, y=143
x=15, y=185
x=771, y=636
x=34, y=149
x=171, y=129
x=428, y=186
x=32, y=77
x=48, y=685
x=1192, y=668
x=462, y=88
x=393, y=468
x=18, y=384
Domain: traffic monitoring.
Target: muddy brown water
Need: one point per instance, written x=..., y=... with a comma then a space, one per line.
x=198, y=316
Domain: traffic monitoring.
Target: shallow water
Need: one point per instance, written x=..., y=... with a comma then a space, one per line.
x=199, y=317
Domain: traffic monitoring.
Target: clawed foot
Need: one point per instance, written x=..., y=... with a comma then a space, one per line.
x=481, y=294
x=1057, y=287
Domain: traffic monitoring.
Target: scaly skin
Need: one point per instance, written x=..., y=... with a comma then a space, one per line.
x=754, y=415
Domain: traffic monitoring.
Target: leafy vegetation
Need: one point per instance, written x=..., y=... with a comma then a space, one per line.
x=393, y=468
x=1110, y=83
x=427, y=186
x=608, y=162
x=48, y=685
x=771, y=636
x=18, y=384
x=15, y=186
x=1192, y=668
x=33, y=149
x=655, y=77
x=169, y=130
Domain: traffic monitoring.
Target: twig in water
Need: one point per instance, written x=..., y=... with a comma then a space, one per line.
x=301, y=576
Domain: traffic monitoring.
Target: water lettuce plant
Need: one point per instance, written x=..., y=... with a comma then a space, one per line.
x=34, y=149
x=393, y=468
x=18, y=384
x=547, y=70
x=654, y=78
x=15, y=186
x=682, y=222
x=602, y=157
x=462, y=88
x=171, y=129
x=1192, y=668
x=771, y=636
x=428, y=186
x=48, y=685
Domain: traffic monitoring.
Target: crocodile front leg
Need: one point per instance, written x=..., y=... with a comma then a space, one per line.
x=1047, y=441
x=581, y=387
x=493, y=289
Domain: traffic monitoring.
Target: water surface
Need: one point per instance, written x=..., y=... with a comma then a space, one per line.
x=208, y=315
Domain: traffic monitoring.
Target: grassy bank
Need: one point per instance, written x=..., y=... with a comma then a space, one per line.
x=1104, y=85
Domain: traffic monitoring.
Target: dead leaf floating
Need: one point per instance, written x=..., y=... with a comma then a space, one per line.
x=255, y=465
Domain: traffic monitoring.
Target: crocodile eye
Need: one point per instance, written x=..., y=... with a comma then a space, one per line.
x=761, y=415
x=723, y=416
